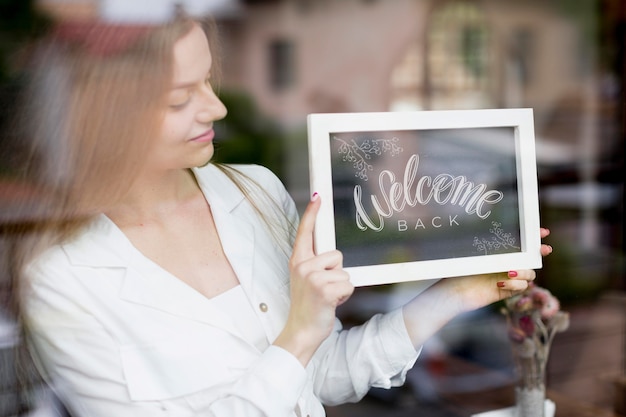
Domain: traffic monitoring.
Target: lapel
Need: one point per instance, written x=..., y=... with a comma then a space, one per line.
x=146, y=283
x=232, y=220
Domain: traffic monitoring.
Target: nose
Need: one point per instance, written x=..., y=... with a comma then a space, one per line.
x=211, y=107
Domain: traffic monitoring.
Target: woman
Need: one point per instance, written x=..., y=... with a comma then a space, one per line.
x=162, y=284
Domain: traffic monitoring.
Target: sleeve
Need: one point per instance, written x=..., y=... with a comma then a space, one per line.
x=377, y=354
x=81, y=359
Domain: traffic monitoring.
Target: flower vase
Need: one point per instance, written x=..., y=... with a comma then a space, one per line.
x=533, y=319
x=530, y=388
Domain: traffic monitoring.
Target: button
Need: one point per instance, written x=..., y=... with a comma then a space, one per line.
x=263, y=307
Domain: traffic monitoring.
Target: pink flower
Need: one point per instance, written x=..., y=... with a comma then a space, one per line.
x=534, y=315
x=524, y=303
x=539, y=294
x=526, y=325
x=550, y=308
x=545, y=302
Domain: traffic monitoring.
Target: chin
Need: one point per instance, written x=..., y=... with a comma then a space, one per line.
x=204, y=164
x=204, y=158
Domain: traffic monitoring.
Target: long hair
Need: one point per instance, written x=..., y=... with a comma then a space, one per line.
x=281, y=229
x=93, y=104
x=94, y=100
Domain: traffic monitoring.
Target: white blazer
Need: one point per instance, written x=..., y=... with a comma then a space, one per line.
x=116, y=335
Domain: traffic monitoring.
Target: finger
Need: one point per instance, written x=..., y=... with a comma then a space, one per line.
x=328, y=260
x=345, y=297
x=546, y=250
x=323, y=277
x=343, y=291
x=524, y=274
x=513, y=285
x=543, y=232
x=303, y=245
x=336, y=288
x=317, y=267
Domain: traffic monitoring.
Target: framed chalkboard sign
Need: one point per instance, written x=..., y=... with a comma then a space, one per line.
x=421, y=195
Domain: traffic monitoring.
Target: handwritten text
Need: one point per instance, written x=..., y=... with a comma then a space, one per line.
x=442, y=189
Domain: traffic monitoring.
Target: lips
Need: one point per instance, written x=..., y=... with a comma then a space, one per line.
x=204, y=137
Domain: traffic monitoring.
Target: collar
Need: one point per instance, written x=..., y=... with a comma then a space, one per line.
x=103, y=244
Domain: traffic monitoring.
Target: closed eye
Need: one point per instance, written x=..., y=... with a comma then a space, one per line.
x=179, y=99
x=182, y=95
x=179, y=106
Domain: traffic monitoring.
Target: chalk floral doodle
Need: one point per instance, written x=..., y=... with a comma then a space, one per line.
x=359, y=155
x=499, y=240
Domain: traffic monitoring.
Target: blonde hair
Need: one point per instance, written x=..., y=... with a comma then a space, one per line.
x=95, y=101
x=281, y=229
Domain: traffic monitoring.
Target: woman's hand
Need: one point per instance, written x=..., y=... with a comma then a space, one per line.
x=429, y=311
x=318, y=285
x=477, y=291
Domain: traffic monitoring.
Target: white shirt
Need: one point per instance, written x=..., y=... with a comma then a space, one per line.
x=119, y=336
x=235, y=305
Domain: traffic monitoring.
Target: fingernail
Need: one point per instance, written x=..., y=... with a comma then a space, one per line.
x=500, y=284
x=512, y=274
x=315, y=196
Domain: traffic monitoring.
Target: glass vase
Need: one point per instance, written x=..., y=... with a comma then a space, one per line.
x=530, y=388
x=533, y=319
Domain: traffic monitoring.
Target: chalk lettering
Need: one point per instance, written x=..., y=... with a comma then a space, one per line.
x=438, y=223
x=443, y=189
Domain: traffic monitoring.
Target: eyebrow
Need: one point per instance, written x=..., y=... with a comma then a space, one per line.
x=189, y=84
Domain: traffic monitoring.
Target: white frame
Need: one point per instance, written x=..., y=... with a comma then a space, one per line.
x=320, y=126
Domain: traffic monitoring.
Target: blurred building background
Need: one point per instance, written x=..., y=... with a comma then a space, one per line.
x=565, y=59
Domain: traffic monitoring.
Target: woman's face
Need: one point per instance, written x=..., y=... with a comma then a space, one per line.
x=187, y=133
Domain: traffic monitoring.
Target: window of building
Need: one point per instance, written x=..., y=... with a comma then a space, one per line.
x=281, y=64
x=457, y=57
x=522, y=49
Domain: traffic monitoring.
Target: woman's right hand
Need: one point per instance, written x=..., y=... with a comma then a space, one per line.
x=318, y=285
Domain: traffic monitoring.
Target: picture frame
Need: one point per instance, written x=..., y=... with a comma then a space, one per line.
x=420, y=195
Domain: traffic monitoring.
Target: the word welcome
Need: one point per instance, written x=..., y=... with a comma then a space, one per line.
x=443, y=189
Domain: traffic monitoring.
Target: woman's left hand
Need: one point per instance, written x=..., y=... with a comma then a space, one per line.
x=430, y=310
x=518, y=280
x=481, y=290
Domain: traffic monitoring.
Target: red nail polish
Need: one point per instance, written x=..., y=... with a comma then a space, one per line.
x=512, y=274
x=500, y=284
x=315, y=196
